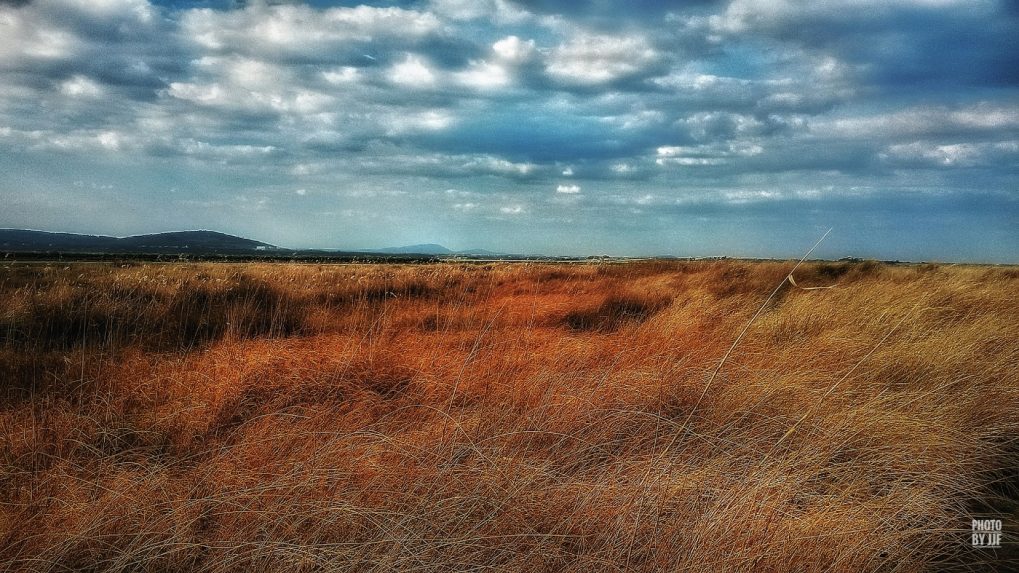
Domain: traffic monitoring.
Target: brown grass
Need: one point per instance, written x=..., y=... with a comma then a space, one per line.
x=508, y=417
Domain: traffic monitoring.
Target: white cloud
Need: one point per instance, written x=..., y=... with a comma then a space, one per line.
x=710, y=90
x=590, y=59
x=484, y=76
x=109, y=140
x=514, y=50
x=223, y=152
x=343, y=75
x=920, y=120
x=708, y=154
x=80, y=86
x=750, y=196
x=248, y=84
x=248, y=73
x=202, y=94
x=690, y=161
x=413, y=71
x=953, y=154
x=26, y=35
x=139, y=10
x=714, y=125
x=745, y=15
x=77, y=141
x=404, y=122
x=498, y=166
x=508, y=54
x=302, y=29
x=496, y=11
x=285, y=90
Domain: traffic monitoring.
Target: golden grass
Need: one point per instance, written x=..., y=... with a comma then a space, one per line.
x=508, y=417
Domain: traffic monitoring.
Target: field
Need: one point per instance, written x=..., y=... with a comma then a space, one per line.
x=507, y=417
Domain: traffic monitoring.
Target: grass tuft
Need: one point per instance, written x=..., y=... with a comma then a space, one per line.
x=507, y=417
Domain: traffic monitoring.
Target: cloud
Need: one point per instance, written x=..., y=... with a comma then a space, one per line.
x=302, y=32
x=498, y=11
x=953, y=155
x=924, y=120
x=898, y=43
x=484, y=76
x=591, y=59
x=634, y=111
x=119, y=43
x=513, y=50
x=81, y=86
x=412, y=72
x=608, y=15
x=712, y=154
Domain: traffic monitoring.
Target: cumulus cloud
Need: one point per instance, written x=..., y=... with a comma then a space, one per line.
x=951, y=155
x=290, y=30
x=924, y=120
x=591, y=59
x=485, y=76
x=896, y=42
x=514, y=50
x=746, y=15
x=497, y=11
x=414, y=71
x=377, y=108
x=711, y=154
x=81, y=86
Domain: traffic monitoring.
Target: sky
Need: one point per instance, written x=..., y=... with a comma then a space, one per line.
x=738, y=127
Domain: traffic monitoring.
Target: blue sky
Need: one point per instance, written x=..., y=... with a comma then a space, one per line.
x=739, y=127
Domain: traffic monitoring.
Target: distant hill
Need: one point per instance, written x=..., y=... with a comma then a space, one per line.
x=202, y=242
x=434, y=250
x=193, y=240
x=425, y=249
x=24, y=240
x=195, y=243
x=480, y=253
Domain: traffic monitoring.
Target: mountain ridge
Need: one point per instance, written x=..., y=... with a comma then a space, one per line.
x=420, y=249
x=196, y=241
x=200, y=241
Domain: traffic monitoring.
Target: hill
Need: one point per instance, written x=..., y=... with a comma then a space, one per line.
x=22, y=240
x=424, y=249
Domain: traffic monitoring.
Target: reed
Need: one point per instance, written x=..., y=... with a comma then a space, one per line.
x=509, y=417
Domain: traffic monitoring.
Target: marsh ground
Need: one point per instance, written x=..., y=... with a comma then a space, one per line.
x=509, y=417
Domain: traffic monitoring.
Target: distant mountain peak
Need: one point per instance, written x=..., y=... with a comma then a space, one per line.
x=434, y=249
x=422, y=249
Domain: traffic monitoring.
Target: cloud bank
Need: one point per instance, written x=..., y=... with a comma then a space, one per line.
x=744, y=127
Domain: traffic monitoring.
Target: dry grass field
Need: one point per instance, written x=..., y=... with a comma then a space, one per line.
x=506, y=417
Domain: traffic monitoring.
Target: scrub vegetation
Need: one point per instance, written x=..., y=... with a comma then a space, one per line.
x=506, y=417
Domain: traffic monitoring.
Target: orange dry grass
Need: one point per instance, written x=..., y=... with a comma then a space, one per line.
x=505, y=417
